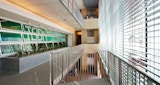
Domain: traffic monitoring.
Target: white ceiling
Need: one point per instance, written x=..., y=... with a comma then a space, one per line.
x=53, y=10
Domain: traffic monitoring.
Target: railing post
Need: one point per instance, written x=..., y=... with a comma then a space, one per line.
x=105, y=57
x=62, y=64
x=120, y=72
x=51, y=69
x=149, y=82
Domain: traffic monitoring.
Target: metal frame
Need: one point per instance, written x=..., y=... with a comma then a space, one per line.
x=63, y=62
x=22, y=37
x=133, y=76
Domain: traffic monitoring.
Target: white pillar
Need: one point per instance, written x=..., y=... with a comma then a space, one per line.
x=70, y=40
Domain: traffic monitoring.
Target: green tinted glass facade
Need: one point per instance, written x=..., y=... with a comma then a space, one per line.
x=40, y=38
x=11, y=25
x=34, y=38
x=6, y=49
x=24, y=38
x=49, y=38
x=34, y=30
x=10, y=37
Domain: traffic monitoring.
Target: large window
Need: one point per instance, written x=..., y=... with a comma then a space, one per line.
x=10, y=36
x=153, y=37
x=10, y=25
x=7, y=49
x=27, y=48
x=28, y=28
x=49, y=38
x=135, y=32
x=29, y=38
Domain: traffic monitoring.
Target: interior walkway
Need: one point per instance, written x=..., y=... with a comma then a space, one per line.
x=102, y=81
x=80, y=77
x=36, y=76
x=40, y=76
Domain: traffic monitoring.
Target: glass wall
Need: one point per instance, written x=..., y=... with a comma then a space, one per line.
x=28, y=38
x=10, y=36
x=10, y=25
x=7, y=49
x=132, y=31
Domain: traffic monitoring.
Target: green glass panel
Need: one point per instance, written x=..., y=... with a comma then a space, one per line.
x=40, y=31
x=10, y=37
x=25, y=37
x=30, y=29
x=56, y=39
x=60, y=34
x=49, y=38
x=16, y=48
x=63, y=39
x=27, y=47
x=30, y=37
x=34, y=37
x=44, y=31
x=49, y=32
x=11, y=25
x=39, y=38
x=55, y=33
x=34, y=30
x=27, y=28
x=63, y=35
x=6, y=49
x=44, y=38
x=59, y=39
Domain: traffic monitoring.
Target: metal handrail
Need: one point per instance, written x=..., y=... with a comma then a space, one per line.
x=62, y=61
x=133, y=75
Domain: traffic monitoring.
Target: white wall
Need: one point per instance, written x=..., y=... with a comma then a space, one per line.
x=70, y=40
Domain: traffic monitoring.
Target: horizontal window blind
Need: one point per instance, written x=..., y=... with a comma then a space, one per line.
x=135, y=34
